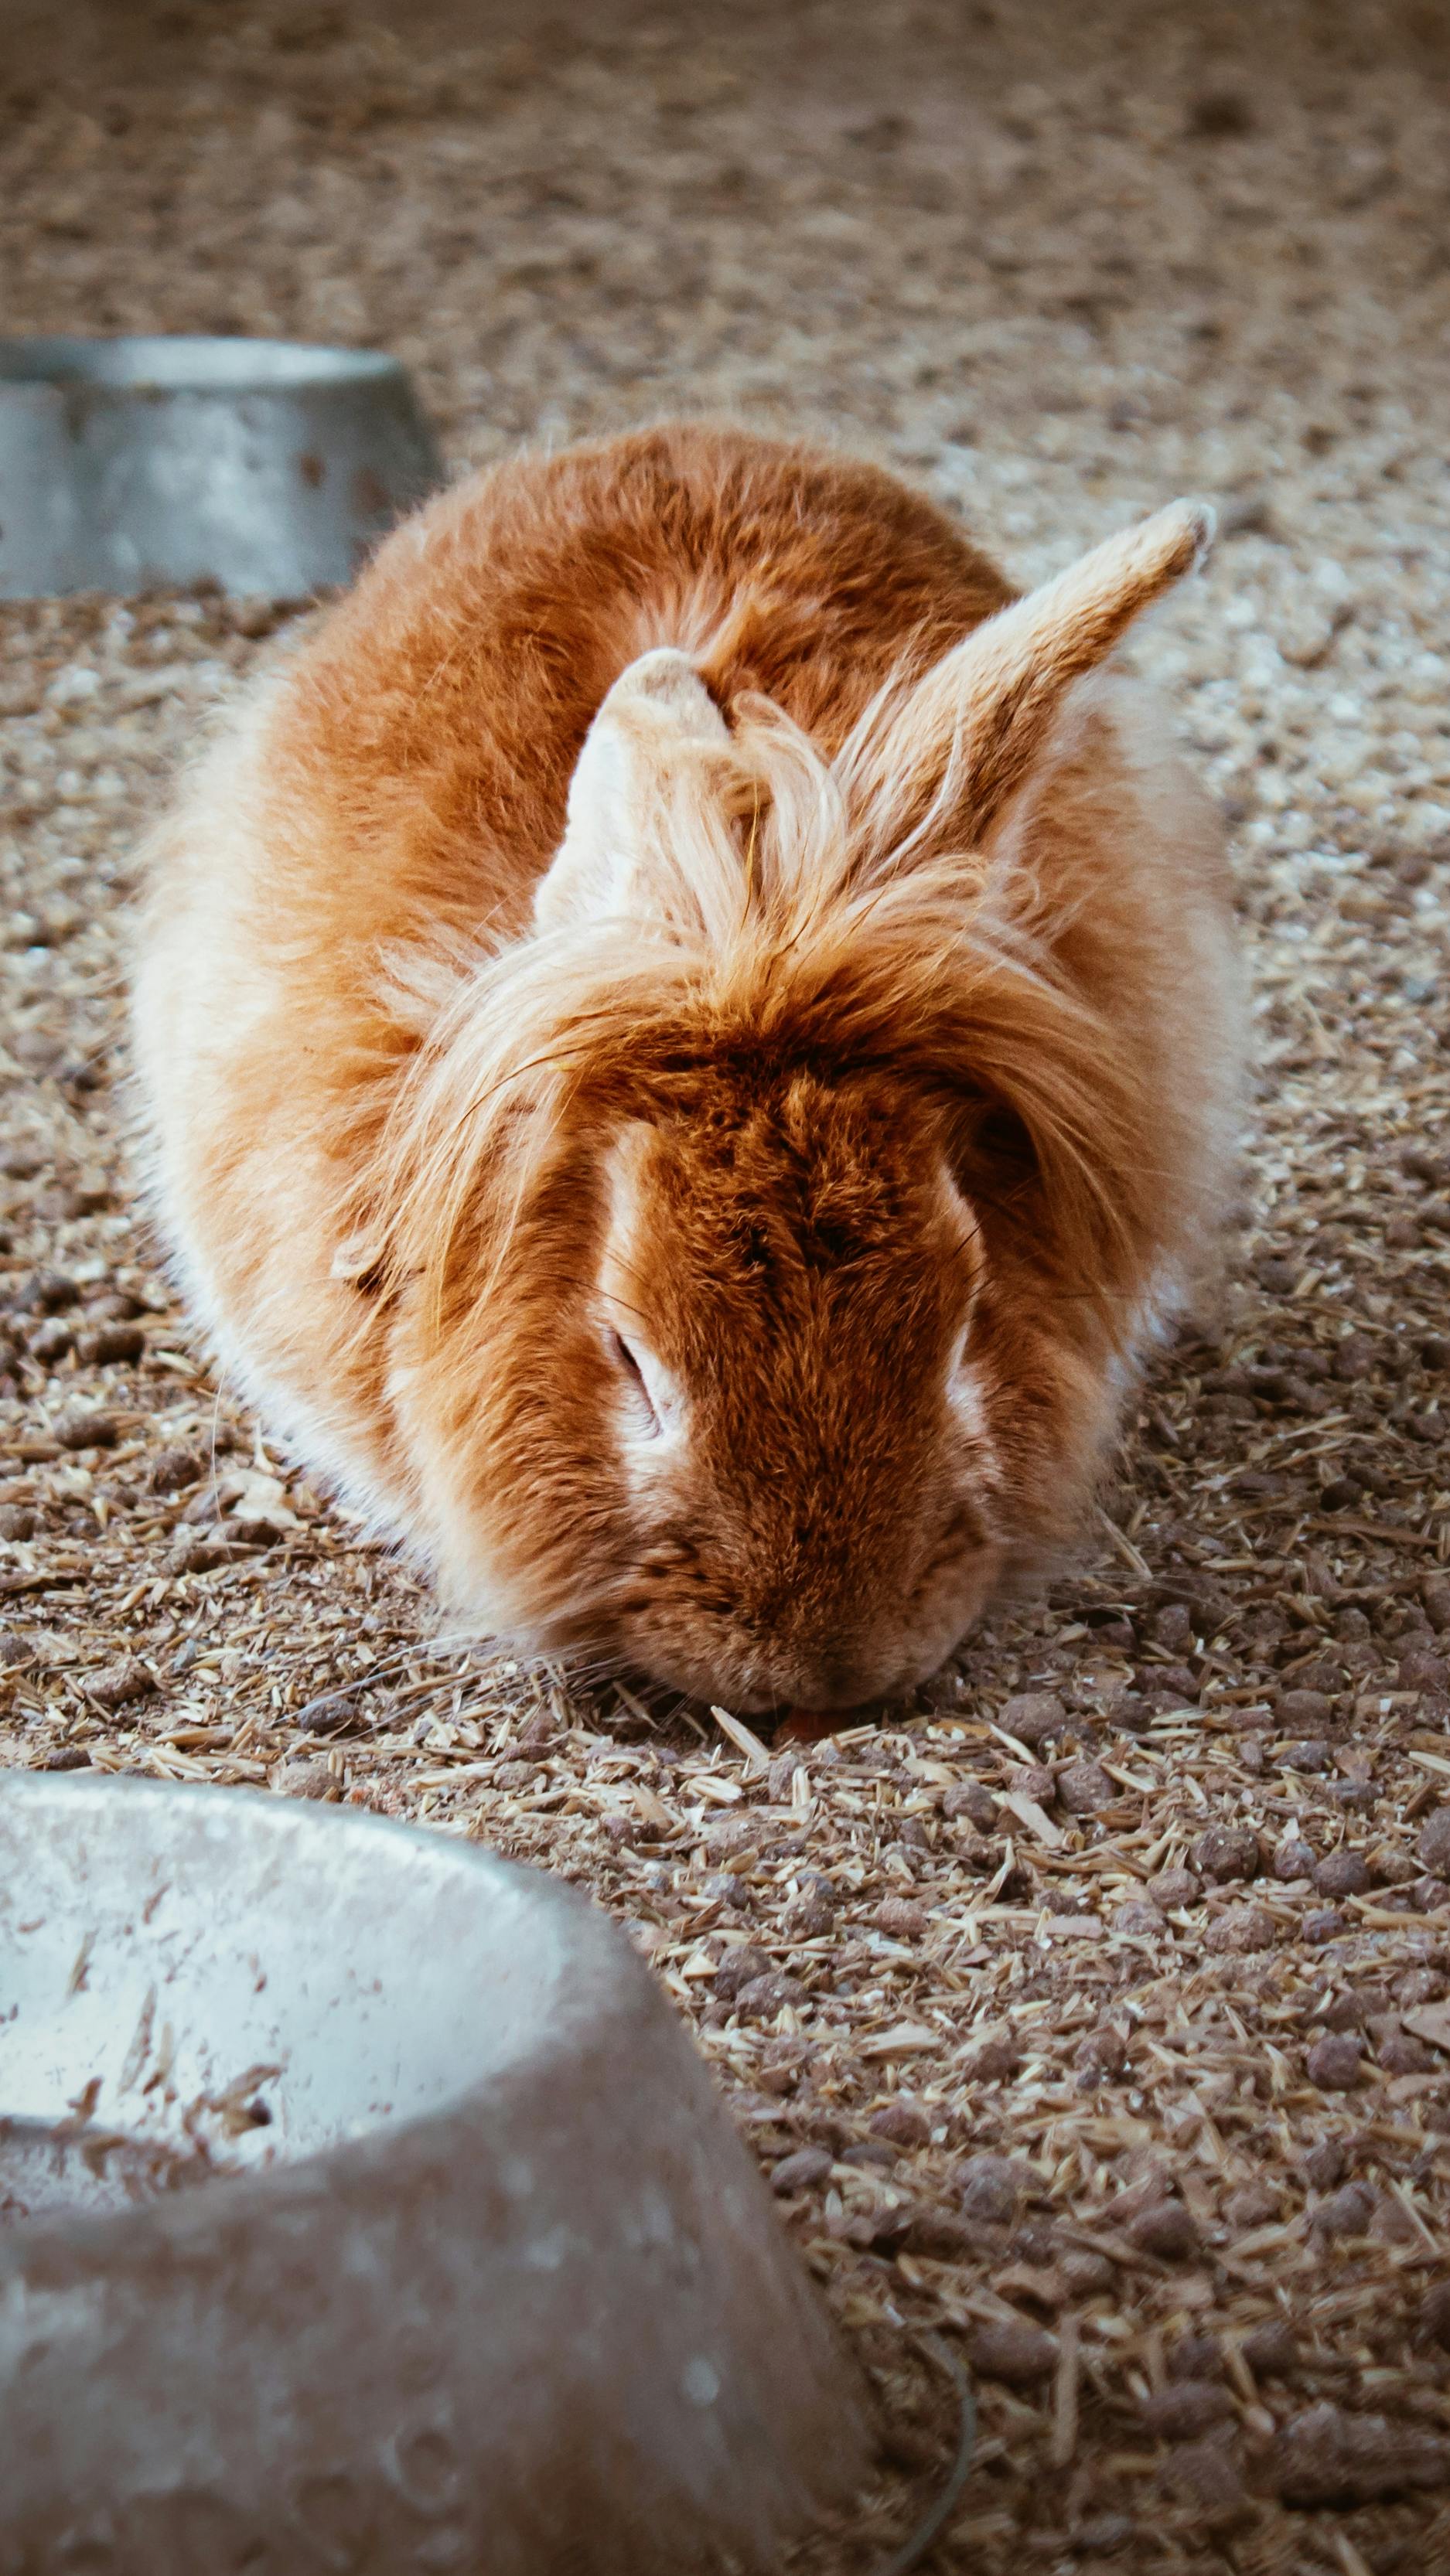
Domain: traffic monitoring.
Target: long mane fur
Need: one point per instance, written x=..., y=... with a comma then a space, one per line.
x=792, y=918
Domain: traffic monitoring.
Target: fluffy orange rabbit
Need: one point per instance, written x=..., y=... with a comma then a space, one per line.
x=688, y=1038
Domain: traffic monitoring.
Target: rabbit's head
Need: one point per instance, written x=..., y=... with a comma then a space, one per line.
x=763, y=1220
x=784, y=1299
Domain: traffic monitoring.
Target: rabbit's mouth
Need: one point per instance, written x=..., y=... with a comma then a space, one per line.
x=813, y=1725
x=817, y=1683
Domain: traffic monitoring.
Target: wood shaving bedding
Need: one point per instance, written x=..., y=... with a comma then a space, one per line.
x=1091, y=2011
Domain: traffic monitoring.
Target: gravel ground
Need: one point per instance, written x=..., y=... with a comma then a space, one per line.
x=1094, y=2010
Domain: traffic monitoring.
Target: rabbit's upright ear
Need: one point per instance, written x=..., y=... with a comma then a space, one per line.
x=975, y=723
x=655, y=746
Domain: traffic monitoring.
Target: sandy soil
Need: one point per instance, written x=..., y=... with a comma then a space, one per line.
x=1095, y=2010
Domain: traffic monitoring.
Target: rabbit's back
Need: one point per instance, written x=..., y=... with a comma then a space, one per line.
x=352, y=870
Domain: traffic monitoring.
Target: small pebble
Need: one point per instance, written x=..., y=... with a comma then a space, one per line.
x=316, y=1780
x=1186, y=2408
x=801, y=2171
x=1341, y=1873
x=113, y=1344
x=1355, y=1359
x=1400, y=2054
x=173, y=1469
x=810, y=1915
x=1034, y=1780
x=1333, y=2063
x=1174, y=1887
x=1270, y=2349
x=1277, y=1276
x=1018, y=2353
x=942, y=2235
x=1434, y=1843
x=991, y=2187
x=1103, y=2054
x=766, y=1995
x=1172, y=1627
x=1033, y=1715
x=1136, y=1919
x=1164, y=2228
x=1330, y=2456
x=117, y=1685
x=83, y=1429
x=1324, y=2165
x=1354, y=1796
x=1252, y=2205
x=1227, y=1852
x=903, y=2122
x=337, y=1714
x=49, y=1291
x=1102, y=2533
x=1180, y=1683
x=1303, y=1711
x=739, y=1967
x=1084, y=2272
x=1419, y=1671
x=736, y=1838
x=902, y=1918
x=1208, y=2475
x=972, y=1800
x=1241, y=1929
x=1084, y=1787
x=1346, y=2212
x=993, y=2060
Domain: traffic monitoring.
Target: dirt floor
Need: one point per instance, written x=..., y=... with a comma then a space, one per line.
x=1097, y=2010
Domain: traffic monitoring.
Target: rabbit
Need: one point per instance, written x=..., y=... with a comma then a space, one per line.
x=687, y=1042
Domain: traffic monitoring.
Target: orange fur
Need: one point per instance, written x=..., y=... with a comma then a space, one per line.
x=685, y=1037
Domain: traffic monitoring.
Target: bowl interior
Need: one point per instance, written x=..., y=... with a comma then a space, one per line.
x=233, y=1975
x=187, y=364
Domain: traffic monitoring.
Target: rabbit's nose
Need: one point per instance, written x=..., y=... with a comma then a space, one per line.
x=839, y=1682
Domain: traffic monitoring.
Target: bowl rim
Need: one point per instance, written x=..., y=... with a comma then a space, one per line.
x=369, y=2158
x=150, y=363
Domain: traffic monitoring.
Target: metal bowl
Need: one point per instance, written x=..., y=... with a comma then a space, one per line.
x=263, y=465
x=370, y=2210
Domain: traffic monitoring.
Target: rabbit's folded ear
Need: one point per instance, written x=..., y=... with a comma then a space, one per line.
x=656, y=743
x=972, y=727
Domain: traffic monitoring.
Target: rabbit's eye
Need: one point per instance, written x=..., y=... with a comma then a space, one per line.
x=629, y=1362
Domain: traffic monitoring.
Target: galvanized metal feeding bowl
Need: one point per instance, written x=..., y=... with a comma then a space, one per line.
x=263, y=465
x=363, y=2206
